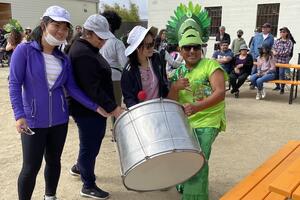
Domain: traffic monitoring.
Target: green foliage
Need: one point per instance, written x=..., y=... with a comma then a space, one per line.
x=128, y=15
x=13, y=24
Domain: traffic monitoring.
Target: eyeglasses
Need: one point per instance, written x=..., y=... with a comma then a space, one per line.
x=190, y=47
x=149, y=45
x=283, y=32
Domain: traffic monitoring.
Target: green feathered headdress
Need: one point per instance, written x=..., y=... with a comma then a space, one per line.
x=13, y=24
x=187, y=17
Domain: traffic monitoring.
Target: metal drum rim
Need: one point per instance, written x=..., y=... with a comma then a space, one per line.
x=142, y=104
x=157, y=155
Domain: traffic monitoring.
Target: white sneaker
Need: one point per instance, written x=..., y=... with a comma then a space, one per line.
x=50, y=198
x=263, y=93
x=258, y=95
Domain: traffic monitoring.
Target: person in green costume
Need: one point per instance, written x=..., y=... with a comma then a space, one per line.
x=199, y=85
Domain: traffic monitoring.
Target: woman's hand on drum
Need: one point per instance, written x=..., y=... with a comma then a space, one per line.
x=102, y=112
x=117, y=111
x=189, y=109
x=181, y=84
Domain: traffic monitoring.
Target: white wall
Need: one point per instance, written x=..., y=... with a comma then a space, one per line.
x=29, y=12
x=238, y=14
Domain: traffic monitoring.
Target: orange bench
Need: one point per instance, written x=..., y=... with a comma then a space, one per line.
x=256, y=185
x=290, y=82
x=293, y=83
x=296, y=194
x=288, y=181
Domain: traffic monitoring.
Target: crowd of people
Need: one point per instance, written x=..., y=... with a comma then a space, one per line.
x=263, y=50
x=55, y=72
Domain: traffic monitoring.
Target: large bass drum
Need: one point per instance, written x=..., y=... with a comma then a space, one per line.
x=156, y=146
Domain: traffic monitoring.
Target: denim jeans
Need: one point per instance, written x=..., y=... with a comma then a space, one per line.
x=91, y=133
x=259, y=81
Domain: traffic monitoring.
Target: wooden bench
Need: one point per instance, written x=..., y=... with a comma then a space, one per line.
x=290, y=82
x=256, y=186
x=294, y=82
x=293, y=90
x=288, y=181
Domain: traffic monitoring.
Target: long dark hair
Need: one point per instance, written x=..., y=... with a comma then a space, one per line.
x=133, y=59
x=37, y=32
x=267, y=54
x=15, y=37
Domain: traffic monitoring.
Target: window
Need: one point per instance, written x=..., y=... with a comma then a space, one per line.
x=268, y=13
x=215, y=13
x=5, y=13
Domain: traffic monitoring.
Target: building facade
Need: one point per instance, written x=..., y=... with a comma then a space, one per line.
x=28, y=13
x=234, y=15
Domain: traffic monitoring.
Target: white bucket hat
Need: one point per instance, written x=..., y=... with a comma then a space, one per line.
x=136, y=36
x=99, y=25
x=58, y=14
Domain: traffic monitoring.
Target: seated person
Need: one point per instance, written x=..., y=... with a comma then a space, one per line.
x=242, y=65
x=224, y=56
x=265, y=71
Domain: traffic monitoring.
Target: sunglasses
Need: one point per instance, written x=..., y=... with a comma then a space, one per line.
x=149, y=45
x=190, y=47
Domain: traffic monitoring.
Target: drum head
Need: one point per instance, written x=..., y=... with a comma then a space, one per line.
x=163, y=171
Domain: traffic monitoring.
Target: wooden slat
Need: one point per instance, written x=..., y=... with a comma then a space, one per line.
x=262, y=189
x=296, y=194
x=248, y=183
x=288, y=180
x=275, y=196
x=281, y=65
x=285, y=82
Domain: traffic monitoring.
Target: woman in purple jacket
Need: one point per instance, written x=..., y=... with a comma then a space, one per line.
x=39, y=76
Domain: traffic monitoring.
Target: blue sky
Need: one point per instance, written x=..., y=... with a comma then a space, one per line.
x=142, y=4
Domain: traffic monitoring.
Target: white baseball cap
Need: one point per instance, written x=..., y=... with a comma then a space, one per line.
x=99, y=25
x=58, y=14
x=136, y=37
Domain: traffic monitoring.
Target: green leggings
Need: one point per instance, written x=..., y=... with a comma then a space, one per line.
x=196, y=188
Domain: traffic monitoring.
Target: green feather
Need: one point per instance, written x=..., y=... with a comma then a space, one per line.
x=185, y=17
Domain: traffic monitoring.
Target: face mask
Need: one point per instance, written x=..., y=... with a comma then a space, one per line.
x=239, y=36
x=51, y=40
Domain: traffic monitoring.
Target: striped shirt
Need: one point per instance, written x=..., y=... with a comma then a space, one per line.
x=53, y=68
x=283, y=49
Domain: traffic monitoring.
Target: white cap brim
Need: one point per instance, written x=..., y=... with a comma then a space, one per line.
x=132, y=47
x=59, y=19
x=105, y=35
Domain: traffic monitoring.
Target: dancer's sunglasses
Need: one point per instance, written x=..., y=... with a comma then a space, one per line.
x=190, y=47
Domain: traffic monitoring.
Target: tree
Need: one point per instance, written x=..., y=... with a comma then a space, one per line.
x=130, y=14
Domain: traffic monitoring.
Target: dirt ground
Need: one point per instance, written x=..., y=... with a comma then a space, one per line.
x=255, y=130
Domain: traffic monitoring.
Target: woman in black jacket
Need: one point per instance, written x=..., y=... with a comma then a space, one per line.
x=242, y=64
x=144, y=76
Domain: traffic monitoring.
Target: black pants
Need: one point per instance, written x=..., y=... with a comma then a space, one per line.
x=47, y=142
x=237, y=80
x=91, y=133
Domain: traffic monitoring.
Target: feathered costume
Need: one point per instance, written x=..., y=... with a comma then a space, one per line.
x=187, y=17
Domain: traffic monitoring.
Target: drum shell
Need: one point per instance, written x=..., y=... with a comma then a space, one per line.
x=151, y=129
